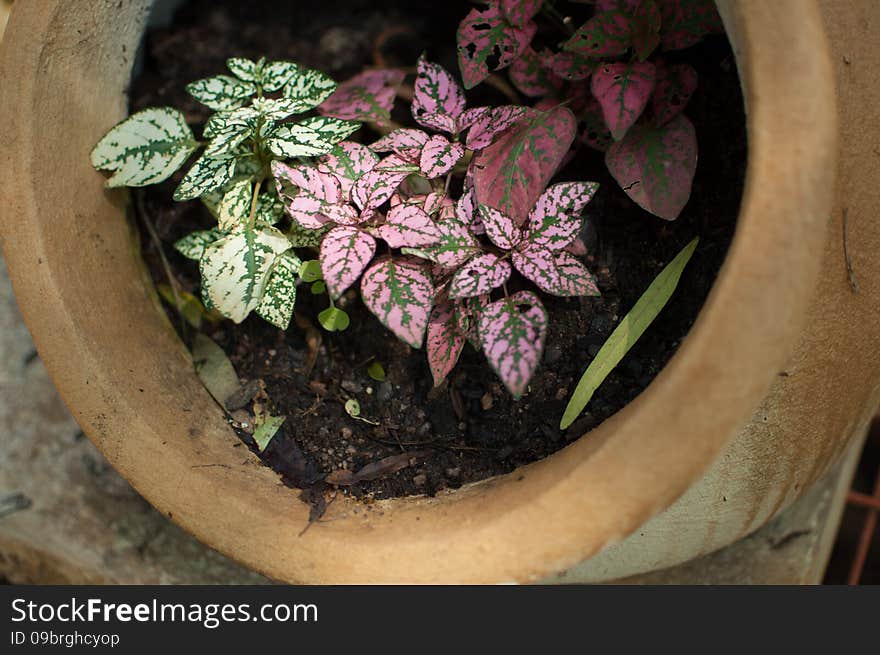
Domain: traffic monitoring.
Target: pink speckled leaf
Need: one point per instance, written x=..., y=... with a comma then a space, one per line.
x=368, y=96
x=317, y=196
x=520, y=12
x=685, y=22
x=408, y=226
x=655, y=166
x=675, y=86
x=444, y=341
x=575, y=279
x=457, y=244
x=345, y=252
x=500, y=228
x=470, y=115
x=433, y=202
x=623, y=91
x=531, y=77
x=538, y=264
x=400, y=294
x=439, y=156
x=405, y=142
x=438, y=100
x=347, y=162
x=512, y=332
x=489, y=124
x=512, y=172
x=485, y=37
x=479, y=276
x=556, y=219
x=377, y=186
x=568, y=65
x=606, y=34
x=466, y=210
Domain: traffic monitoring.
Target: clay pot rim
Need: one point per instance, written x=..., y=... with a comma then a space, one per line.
x=530, y=523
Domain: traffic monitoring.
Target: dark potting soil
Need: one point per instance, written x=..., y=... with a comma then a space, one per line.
x=469, y=428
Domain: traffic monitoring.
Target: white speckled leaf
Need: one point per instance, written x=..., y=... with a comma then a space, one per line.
x=145, y=148
x=279, y=297
x=205, y=175
x=193, y=244
x=225, y=142
x=309, y=88
x=243, y=69
x=235, y=269
x=221, y=92
x=235, y=207
x=311, y=137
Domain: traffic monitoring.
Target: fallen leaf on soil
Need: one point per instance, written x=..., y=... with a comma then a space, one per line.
x=266, y=430
x=243, y=395
x=375, y=470
x=214, y=369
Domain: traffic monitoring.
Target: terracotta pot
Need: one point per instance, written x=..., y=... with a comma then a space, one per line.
x=127, y=378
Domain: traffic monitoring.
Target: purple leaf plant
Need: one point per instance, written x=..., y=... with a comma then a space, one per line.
x=611, y=72
x=446, y=257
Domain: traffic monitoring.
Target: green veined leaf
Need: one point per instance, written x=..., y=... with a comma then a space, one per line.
x=221, y=92
x=243, y=69
x=309, y=88
x=145, y=148
x=205, y=175
x=276, y=74
x=236, y=268
x=245, y=166
x=193, y=244
x=311, y=137
x=266, y=430
x=235, y=207
x=279, y=298
x=225, y=143
x=627, y=333
x=270, y=209
x=301, y=237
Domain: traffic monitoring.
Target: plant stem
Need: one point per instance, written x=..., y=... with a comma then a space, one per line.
x=255, y=199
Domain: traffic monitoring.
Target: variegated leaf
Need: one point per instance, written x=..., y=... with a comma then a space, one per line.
x=367, y=97
x=279, y=297
x=486, y=39
x=308, y=88
x=311, y=137
x=301, y=237
x=221, y=92
x=556, y=219
x=439, y=156
x=568, y=65
x=399, y=292
x=575, y=279
x=405, y=142
x=193, y=244
x=537, y=263
x=512, y=332
x=511, y=173
x=145, y=148
x=275, y=109
x=457, y=244
x=225, y=142
x=606, y=34
x=276, y=74
x=675, y=86
x=243, y=69
x=531, y=77
x=479, y=276
x=434, y=202
x=317, y=196
x=345, y=252
x=470, y=115
x=348, y=161
x=235, y=269
x=596, y=133
x=444, y=341
x=500, y=228
x=493, y=122
x=408, y=226
x=205, y=175
x=520, y=12
x=375, y=187
x=645, y=25
x=623, y=91
x=438, y=100
x=235, y=207
x=656, y=165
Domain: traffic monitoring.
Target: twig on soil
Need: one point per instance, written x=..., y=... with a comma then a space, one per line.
x=853, y=283
x=157, y=244
x=313, y=340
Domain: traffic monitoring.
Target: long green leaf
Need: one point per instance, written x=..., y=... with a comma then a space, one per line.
x=627, y=333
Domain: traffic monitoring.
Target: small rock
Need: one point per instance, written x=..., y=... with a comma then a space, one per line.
x=453, y=472
x=420, y=480
x=487, y=401
x=350, y=450
x=346, y=433
x=384, y=393
x=351, y=386
x=561, y=393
